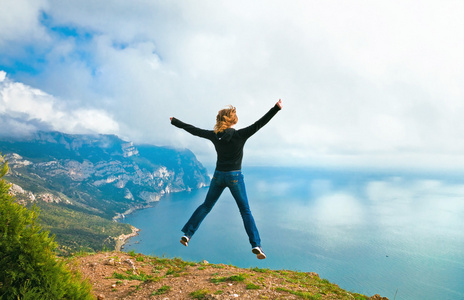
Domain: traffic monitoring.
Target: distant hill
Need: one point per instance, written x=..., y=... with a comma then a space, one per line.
x=82, y=182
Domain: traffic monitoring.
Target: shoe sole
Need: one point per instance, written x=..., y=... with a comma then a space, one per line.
x=184, y=242
x=259, y=254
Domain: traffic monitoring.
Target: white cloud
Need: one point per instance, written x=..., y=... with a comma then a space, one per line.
x=19, y=21
x=19, y=28
x=24, y=109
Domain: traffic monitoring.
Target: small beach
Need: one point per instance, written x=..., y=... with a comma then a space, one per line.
x=122, y=239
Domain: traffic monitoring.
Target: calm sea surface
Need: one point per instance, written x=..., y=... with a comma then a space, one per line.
x=396, y=234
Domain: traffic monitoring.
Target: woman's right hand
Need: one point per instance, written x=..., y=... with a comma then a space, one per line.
x=279, y=104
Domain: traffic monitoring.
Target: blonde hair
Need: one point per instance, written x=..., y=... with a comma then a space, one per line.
x=225, y=118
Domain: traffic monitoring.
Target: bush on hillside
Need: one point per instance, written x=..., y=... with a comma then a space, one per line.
x=29, y=267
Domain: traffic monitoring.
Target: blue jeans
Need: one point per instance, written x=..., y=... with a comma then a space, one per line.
x=234, y=181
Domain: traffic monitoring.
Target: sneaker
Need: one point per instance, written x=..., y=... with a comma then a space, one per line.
x=185, y=240
x=259, y=252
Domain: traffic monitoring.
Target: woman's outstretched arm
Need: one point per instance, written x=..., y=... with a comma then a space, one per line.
x=207, y=134
x=252, y=129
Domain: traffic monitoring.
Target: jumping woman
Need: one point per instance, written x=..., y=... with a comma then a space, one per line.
x=229, y=144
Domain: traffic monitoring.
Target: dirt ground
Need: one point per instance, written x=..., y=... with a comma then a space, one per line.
x=118, y=275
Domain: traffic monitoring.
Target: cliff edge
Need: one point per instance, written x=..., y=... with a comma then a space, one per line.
x=119, y=275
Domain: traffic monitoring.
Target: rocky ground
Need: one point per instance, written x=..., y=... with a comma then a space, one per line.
x=119, y=275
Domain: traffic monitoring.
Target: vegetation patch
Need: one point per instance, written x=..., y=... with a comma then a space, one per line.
x=304, y=295
x=237, y=278
x=139, y=277
x=162, y=290
x=28, y=264
x=217, y=266
x=199, y=294
x=259, y=270
x=76, y=231
x=252, y=286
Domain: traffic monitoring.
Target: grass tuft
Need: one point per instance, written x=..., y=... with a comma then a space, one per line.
x=162, y=290
x=252, y=286
x=236, y=278
x=199, y=294
x=304, y=295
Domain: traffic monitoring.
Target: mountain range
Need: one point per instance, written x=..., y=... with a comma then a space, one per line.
x=82, y=183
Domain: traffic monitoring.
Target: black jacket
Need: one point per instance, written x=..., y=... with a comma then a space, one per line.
x=230, y=142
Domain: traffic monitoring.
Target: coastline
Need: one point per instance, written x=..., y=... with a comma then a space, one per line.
x=122, y=239
x=148, y=204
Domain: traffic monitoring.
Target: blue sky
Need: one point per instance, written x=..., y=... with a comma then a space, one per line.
x=364, y=83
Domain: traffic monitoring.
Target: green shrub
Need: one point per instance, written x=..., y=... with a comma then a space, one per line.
x=28, y=264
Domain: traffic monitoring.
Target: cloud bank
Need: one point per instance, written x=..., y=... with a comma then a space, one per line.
x=363, y=83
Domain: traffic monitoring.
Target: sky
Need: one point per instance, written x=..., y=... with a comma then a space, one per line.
x=364, y=84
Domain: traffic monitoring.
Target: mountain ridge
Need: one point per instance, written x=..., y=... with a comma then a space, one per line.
x=97, y=178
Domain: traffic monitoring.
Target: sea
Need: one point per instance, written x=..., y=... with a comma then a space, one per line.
x=397, y=234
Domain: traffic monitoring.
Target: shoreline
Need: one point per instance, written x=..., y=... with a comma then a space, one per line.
x=148, y=204
x=122, y=239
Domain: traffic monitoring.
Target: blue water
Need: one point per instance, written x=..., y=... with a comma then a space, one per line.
x=393, y=234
